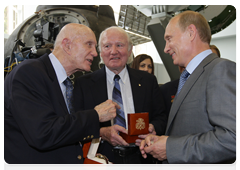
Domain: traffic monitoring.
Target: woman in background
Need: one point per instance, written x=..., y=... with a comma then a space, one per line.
x=143, y=62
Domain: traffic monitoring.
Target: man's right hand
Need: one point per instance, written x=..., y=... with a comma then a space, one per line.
x=107, y=110
x=154, y=145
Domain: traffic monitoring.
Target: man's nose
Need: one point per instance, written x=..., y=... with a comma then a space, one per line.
x=94, y=52
x=166, y=49
x=113, y=49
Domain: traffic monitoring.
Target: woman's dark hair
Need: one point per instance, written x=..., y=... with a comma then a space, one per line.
x=138, y=59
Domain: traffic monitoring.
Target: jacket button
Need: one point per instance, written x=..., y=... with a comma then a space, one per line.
x=91, y=136
x=79, y=157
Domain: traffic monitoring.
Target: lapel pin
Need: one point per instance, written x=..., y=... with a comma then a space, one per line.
x=139, y=84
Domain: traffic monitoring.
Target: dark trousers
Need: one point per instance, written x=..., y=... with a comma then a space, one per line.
x=130, y=158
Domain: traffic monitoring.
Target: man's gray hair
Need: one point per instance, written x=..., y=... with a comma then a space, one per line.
x=119, y=29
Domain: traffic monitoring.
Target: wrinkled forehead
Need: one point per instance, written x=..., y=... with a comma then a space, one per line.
x=86, y=35
x=86, y=32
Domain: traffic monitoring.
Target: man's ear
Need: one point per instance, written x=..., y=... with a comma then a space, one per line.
x=66, y=45
x=192, y=30
x=130, y=51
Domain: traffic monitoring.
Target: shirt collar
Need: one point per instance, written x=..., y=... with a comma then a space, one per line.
x=59, y=69
x=122, y=74
x=192, y=65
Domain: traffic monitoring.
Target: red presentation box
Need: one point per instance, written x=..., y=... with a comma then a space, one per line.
x=138, y=124
x=90, y=153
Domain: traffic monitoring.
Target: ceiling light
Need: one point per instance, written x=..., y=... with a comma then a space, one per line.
x=138, y=35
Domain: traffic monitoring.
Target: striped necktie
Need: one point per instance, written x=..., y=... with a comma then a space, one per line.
x=69, y=94
x=183, y=79
x=117, y=97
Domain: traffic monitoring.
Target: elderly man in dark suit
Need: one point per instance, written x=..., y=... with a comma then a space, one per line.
x=40, y=125
x=139, y=90
x=202, y=121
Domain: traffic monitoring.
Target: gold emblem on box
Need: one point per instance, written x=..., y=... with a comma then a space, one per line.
x=140, y=124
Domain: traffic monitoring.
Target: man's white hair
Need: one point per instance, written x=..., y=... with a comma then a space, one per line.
x=119, y=29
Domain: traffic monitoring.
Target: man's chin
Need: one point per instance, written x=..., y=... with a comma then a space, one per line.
x=175, y=62
x=85, y=69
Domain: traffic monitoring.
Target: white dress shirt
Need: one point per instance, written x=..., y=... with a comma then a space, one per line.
x=126, y=91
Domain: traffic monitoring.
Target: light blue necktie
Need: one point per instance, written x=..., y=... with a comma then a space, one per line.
x=117, y=97
x=69, y=94
x=183, y=79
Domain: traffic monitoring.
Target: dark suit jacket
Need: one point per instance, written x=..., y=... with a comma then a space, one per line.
x=37, y=126
x=202, y=121
x=91, y=89
x=168, y=92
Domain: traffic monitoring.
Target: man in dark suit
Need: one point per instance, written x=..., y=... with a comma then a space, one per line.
x=139, y=89
x=202, y=121
x=39, y=125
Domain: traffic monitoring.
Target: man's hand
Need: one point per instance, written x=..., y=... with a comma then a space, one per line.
x=110, y=134
x=151, y=130
x=154, y=145
x=106, y=110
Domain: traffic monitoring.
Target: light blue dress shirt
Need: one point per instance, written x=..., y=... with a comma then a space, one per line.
x=192, y=65
x=61, y=75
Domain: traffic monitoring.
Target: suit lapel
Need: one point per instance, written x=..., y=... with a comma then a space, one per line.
x=99, y=86
x=185, y=90
x=136, y=85
x=53, y=77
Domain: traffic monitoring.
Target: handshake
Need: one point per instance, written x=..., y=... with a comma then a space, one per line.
x=107, y=110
